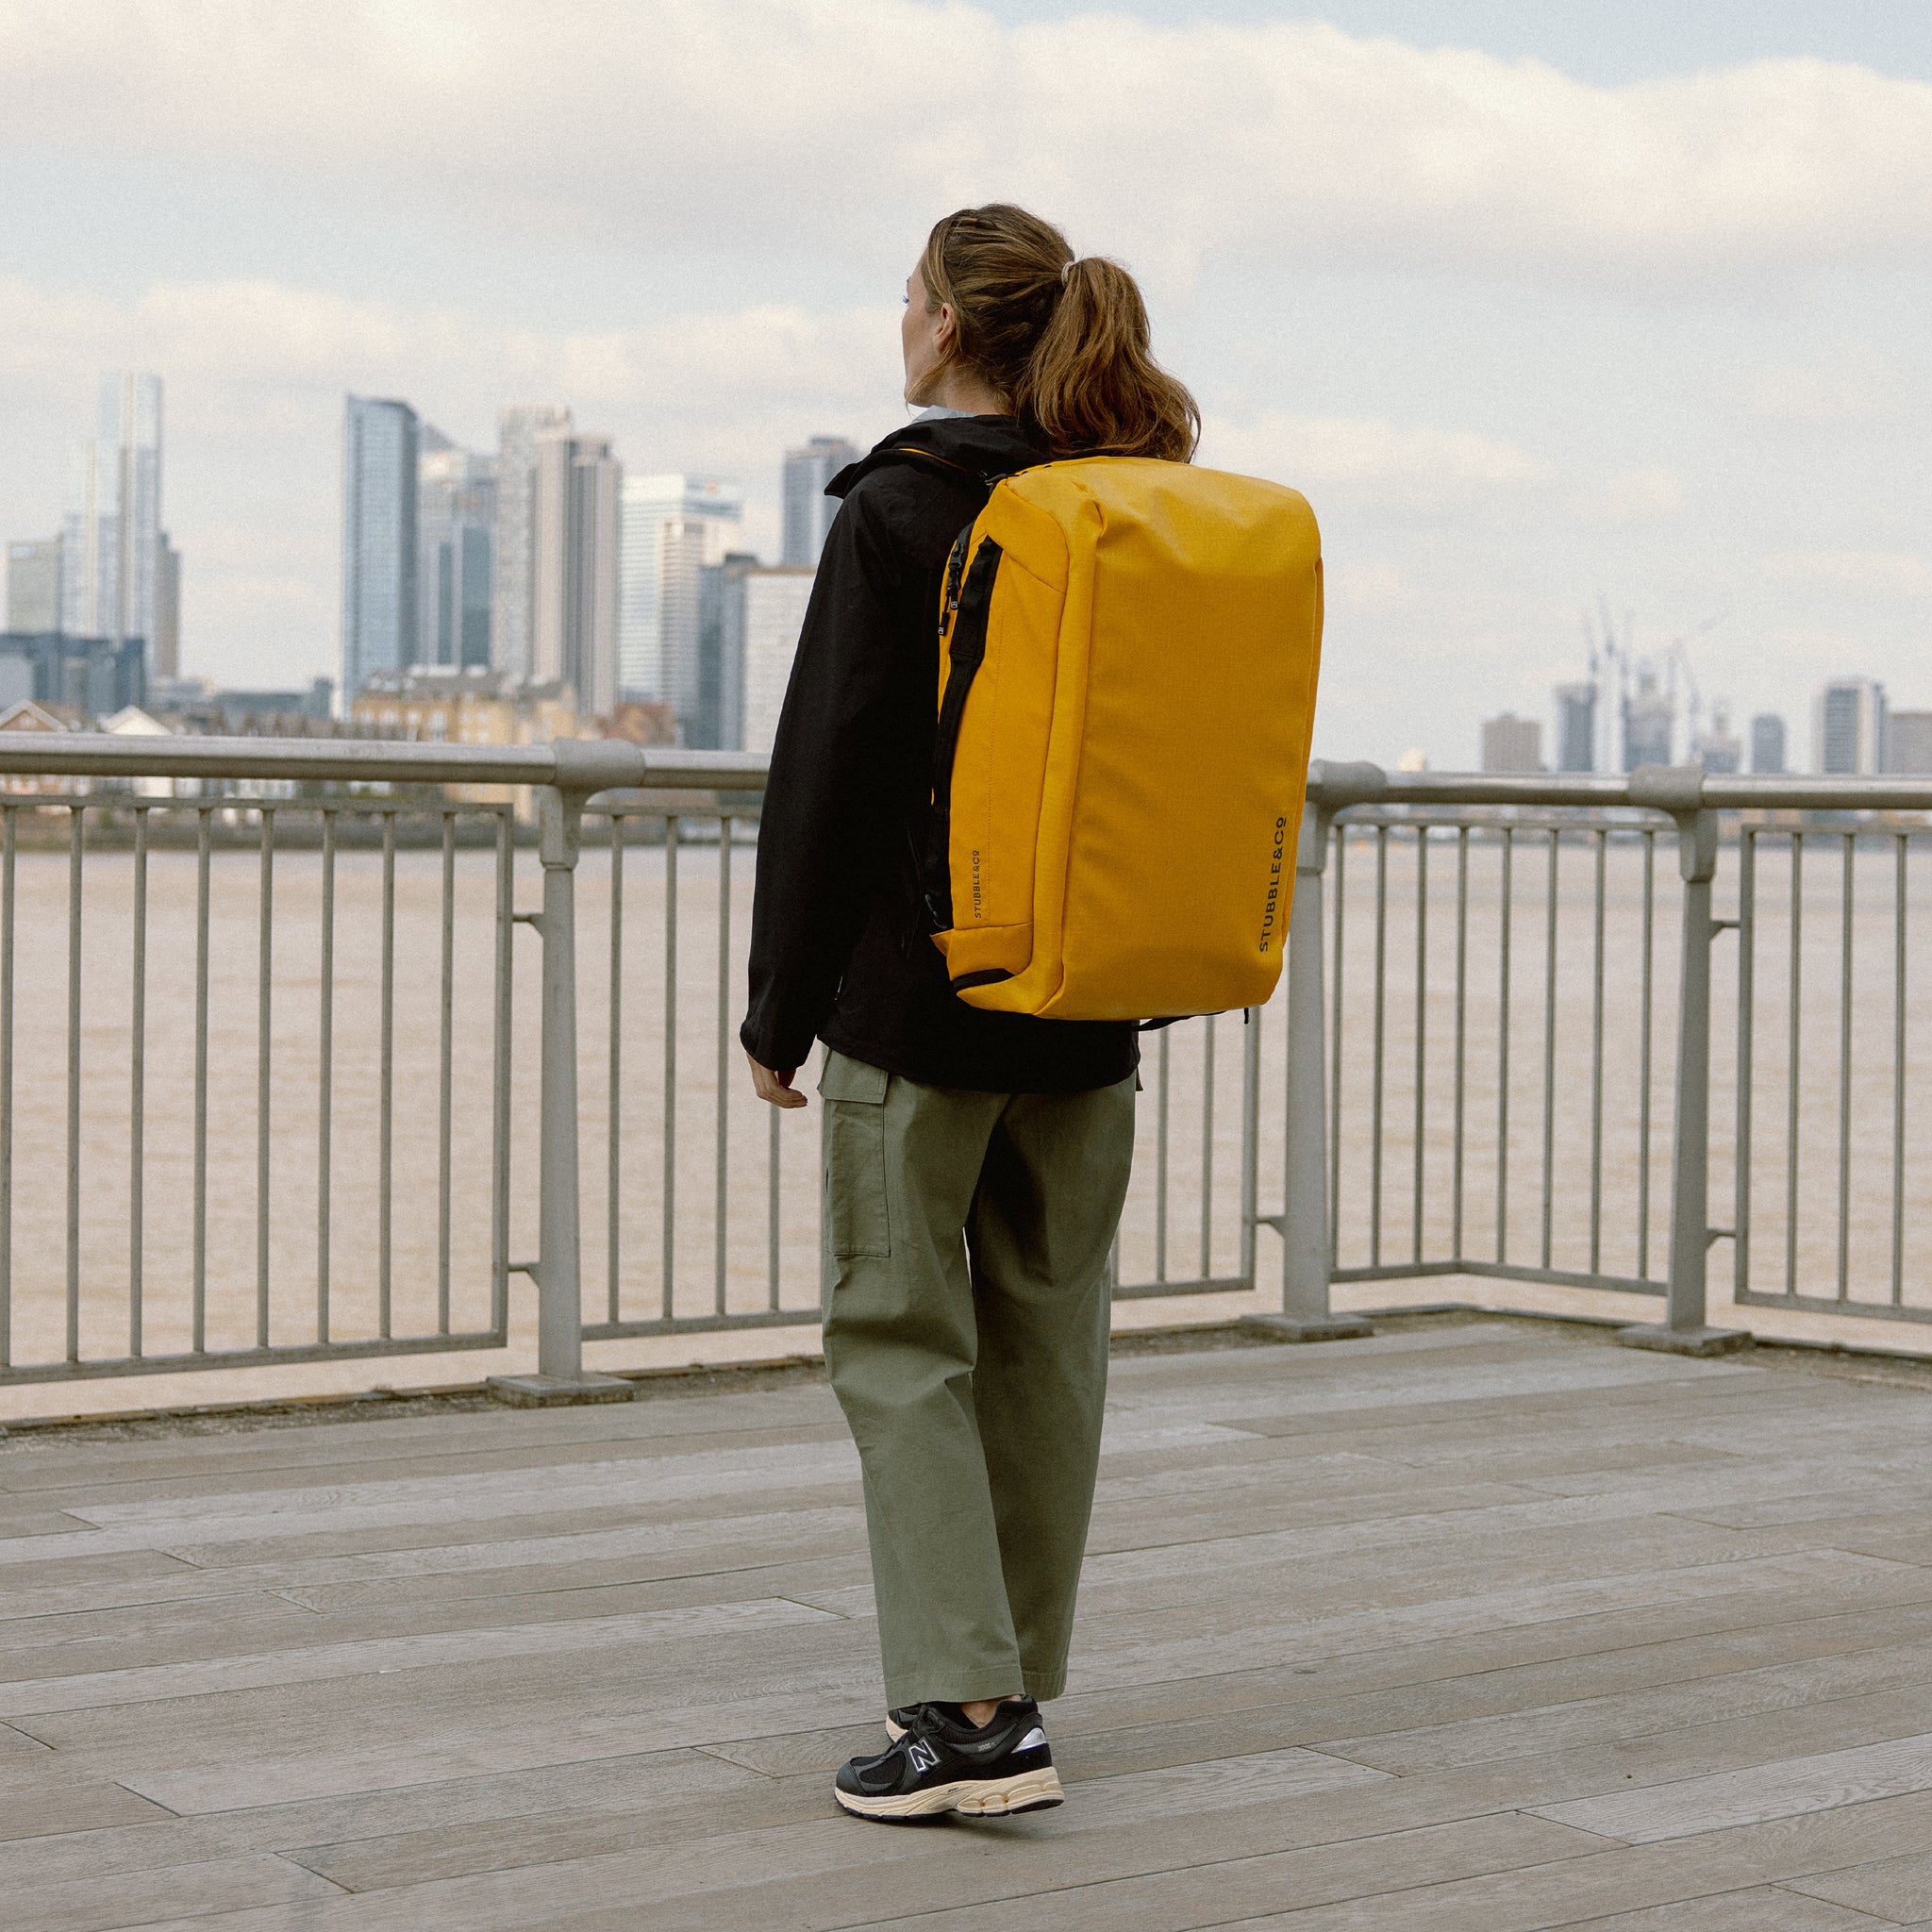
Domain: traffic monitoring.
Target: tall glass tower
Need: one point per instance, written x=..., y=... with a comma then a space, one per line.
x=808, y=511
x=379, y=579
x=111, y=539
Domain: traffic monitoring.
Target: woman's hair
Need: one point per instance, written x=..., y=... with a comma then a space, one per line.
x=1064, y=341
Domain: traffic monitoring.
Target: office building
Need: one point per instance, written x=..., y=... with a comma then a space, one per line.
x=673, y=526
x=455, y=537
x=166, y=656
x=512, y=615
x=1848, y=728
x=576, y=573
x=380, y=598
x=1908, y=742
x=1649, y=723
x=33, y=585
x=1512, y=744
x=770, y=615
x=808, y=511
x=111, y=534
x=1768, y=744
x=89, y=677
x=1576, y=727
x=1719, y=749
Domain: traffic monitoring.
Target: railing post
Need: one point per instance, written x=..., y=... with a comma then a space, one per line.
x=1306, y=1315
x=560, y=1376
x=1684, y=1330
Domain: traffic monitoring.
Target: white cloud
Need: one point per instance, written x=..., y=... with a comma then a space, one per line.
x=845, y=124
x=1372, y=464
x=1879, y=573
x=1630, y=496
x=1822, y=396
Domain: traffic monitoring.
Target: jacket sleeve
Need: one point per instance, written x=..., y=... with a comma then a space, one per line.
x=830, y=808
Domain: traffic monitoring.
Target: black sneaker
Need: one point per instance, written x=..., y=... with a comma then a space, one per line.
x=939, y=1762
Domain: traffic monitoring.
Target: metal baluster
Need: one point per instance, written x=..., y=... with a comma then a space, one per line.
x=325, y=1055
x=1251, y=1138
x=772, y=1224
x=1421, y=1017
x=1208, y=1150
x=1898, y=1072
x=8, y=840
x=1461, y=1033
x=1160, y=1160
x=137, y=1097
x=203, y=845
x=1792, y=1050
x=614, y=1169
x=445, y=1114
x=1503, y=1051
x=1748, y=994
x=1337, y=990
x=264, y=1071
x=720, y=1201
x=1376, y=1089
x=1849, y=843
x=1549, y=1045
x=384, y=1191
x=1647, y=1002
x=500, y=1092
x=76, y=838
x=1596, y=1068
x=670, y=1228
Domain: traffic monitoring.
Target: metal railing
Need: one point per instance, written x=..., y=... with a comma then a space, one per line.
x=265, y=1060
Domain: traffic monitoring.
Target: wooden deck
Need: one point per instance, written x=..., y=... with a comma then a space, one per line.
x=1477, y=1626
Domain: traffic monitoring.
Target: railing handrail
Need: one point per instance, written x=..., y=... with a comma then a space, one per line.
x=575, y=764
x=599, y=764
x=1333, y=787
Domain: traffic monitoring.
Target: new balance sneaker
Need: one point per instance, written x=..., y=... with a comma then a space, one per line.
x=939, y=1762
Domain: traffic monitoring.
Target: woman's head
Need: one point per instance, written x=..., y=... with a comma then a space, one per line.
x=998, y=297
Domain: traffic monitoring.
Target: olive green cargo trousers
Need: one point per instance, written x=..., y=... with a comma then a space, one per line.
x=966, y=1312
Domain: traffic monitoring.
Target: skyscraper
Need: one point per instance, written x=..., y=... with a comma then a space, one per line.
x=455, y=531
x=1717, y=747
x=1768, y=744
x=1649, y=723
x=380, y=562
x=671, y=525
x=771, y=615
x=1512, y=744
x=112, y=538
x=808, y=511
x=1576, y=727
x=513, y=605
x=165, y=655
x=576, y=566
x=1848, y=728
x=33, y=586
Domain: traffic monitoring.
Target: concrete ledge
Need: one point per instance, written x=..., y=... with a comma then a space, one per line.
x=1327, y=1328
x=551, y=1391
x=1668, y=1341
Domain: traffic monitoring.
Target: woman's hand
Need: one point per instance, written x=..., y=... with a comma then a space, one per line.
x=775, y=1085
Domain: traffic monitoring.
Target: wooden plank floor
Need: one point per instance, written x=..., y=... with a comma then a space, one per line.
x=1475, y=1626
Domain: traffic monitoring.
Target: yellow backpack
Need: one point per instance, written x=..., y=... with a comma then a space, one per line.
x=1128, y=652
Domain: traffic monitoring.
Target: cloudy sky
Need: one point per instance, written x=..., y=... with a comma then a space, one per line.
x=1542, y=302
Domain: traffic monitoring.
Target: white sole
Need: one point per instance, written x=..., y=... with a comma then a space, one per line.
x=997, y=1797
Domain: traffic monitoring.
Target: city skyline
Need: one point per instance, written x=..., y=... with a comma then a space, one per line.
x=1529, y=305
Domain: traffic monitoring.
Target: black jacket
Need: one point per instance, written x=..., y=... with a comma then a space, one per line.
x=838, y=950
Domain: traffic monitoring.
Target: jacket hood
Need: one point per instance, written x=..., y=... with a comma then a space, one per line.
x=987, y=447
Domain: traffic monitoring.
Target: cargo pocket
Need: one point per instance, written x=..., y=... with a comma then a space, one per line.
x=855, y=1195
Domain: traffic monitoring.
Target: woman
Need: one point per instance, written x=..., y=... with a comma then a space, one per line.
x=975, y=1162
